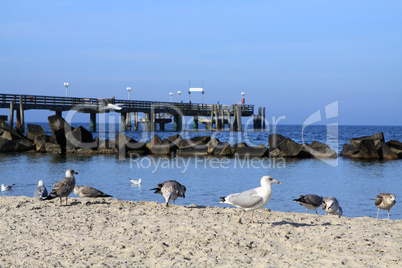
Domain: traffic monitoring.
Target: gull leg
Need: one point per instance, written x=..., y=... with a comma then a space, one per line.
x=252, y=221
x=388, y=214
x=316, y=212
x=378, y=213
x=306, y=210
x=66, y=200
x=60, y=201
x=241, y=215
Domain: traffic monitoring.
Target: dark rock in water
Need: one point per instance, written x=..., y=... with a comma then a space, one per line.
x=123, y=143
x=80, y=138
x=107, y=144
x=347, y=150
x=176, y=139
x=165, y=148
x=211, y=145
x=366, y=150
x=377, y=138
x=274, y=140
x=385, y=152
x=197, y=150
x=251, y=151
x=194, y=141
x=319, y=150
x=155, y=140
x=20, y=145
x=59, y=128
x=287, y=148
x=139, y=148
x=34, y=131
x=223, y=149
x=396, y=147
x=6, y=132
x=240, y=145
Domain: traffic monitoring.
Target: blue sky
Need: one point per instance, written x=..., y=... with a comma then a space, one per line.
x=292, y=57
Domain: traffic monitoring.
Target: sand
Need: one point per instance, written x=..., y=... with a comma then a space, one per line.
x=107, y=232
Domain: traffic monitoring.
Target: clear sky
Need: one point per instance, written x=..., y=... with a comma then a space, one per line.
x=292, y=57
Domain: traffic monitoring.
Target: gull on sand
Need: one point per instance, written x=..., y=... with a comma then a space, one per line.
x=41, y=190
x=310, y=201
x=330, y=205
x=135, y=181
x=170, y=190
x=385, y=201
x=64, y=187
x=252, y=199
x=6, y=187
x=88, y=191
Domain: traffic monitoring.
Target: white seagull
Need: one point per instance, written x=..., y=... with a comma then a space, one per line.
x=252, y=199
x=170, y=190
x=41, y=190
x=6, y=188
x=135, y=181
x=330, y=205
x=64, y=187
x=385, y=201
x=310, y=201
x=111, y=106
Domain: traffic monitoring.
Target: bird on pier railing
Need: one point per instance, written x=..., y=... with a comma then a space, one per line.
x=111, y=106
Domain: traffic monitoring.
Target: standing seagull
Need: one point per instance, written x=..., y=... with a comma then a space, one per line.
x=330, y=205
x=310, y=201
x=40, y=191
x=385, y=201
x=251, y=199
x=88, y=191
x=64, y=187
x=170, y=190
x=6, y=188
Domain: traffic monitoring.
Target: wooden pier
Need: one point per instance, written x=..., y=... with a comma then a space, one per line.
x=155, y=112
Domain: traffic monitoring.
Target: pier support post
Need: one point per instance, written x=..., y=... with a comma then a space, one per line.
x=229, y=120
x=147, y=122
x=263, y=119
x=128, y=121
x=161, y=126
x=58, y=113
x=20, y=117
x=195, y=122
x=135, y=120
x=259, y=117
x=238, y=121
x=92, y=122
x=212, y=118
x=177, y=122
x=11, y=122
x=123, y=117
x=217, y=122
x=152, y=121
x=222, y=112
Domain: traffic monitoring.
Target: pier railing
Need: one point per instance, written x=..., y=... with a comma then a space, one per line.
x=94, y=105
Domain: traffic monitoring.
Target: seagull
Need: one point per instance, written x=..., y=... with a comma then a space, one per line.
x=310, y=201
x=330, y=205
x=64, y=187
x=170, y=190
x=136, y=182
x=40, y=191
x=88, y=191
x=111, y=106
x=385, y=201
x=251, y=199
x=6, y=188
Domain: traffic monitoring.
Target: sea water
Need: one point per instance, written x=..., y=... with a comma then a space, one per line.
x=353, y=182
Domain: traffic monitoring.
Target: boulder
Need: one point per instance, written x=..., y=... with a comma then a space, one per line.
x=396, y=147
x=106, y=146
x=196, y=150
x=286, y=148
x=377, y=138
x=139, y=148
x=247, y=151
x=34, y=131
x=240, y=144
x=123, y=142
x=176, y=139
x=6, y=132
x=20, y=145
x=347, y=150
x=80, y=138
x=211, y=145
x=223, y=149
x=319, y=150
x=194, y=141
x=385, y=152
x=59, y=128
x=167, y=147
x=366, y=150
x=155, y=140
x=49, y=147
x=274, y=140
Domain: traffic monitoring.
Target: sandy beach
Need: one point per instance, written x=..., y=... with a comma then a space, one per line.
x=111, y=233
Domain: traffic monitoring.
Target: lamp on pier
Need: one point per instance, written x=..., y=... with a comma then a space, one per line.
x=179, y=93
x=171, y=96
x=243, y=100
x=66, y=84
x=128, y=90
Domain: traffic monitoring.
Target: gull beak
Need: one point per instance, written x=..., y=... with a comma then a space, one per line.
x=75, y=172
x=278, y=182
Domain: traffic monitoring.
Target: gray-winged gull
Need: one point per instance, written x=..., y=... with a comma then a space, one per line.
x=252, y=199
x=41, y=190
x=6, y=187
x=64, y=187
x=385, y=201
x=310, y=201
x=136, y=181
x=330, y=205
x=88, y=191
x=170, y=190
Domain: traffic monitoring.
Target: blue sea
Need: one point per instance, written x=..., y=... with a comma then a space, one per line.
x=353, y=182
